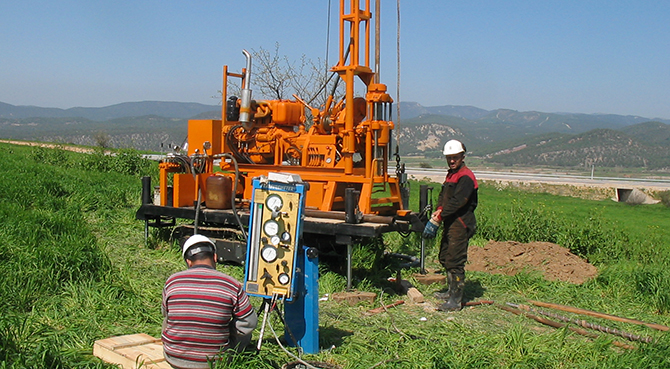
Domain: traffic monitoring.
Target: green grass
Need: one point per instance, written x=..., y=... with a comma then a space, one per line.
x=76, y=269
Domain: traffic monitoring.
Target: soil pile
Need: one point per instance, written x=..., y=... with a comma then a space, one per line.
x=555, y=262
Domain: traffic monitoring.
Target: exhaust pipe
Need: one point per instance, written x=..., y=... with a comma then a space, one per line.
x=245, y=101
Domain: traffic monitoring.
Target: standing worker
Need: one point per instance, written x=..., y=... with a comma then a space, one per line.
x=456, y=206
x=205, y=311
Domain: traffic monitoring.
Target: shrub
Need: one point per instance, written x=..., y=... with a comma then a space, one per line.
x=57, y=156
x=124, y=161
x=665, y=198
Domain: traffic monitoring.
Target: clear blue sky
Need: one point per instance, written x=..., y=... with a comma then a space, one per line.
x=586, y=56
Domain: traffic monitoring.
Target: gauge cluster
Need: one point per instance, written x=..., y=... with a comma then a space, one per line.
x=274, y=228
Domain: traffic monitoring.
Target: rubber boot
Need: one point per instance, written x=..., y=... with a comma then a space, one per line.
x=445, y=295
x=456, y=288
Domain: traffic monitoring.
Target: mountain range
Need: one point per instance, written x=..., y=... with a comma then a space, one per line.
x=167, y=109
x=502, y=135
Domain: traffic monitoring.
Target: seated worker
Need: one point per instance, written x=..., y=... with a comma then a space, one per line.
x=205, y=311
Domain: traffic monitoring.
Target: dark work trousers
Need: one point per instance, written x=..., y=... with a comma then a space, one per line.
x=454, y=247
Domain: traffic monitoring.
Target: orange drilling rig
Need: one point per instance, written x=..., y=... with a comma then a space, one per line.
x=343, y=153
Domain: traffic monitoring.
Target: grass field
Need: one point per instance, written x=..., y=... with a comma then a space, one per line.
x=76, y=269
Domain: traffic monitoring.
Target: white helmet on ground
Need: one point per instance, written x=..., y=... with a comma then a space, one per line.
x=197, y=244
x=453, y=147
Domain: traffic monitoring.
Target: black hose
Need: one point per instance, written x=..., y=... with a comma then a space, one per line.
x=413, y=261
x=197, y=212
x=197, y=204
x=233, y=147
x=232, y=198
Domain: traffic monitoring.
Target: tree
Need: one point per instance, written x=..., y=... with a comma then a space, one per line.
x=276, y=76
x=102, y=139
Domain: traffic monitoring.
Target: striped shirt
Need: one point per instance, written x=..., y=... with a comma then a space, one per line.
x=199, y=305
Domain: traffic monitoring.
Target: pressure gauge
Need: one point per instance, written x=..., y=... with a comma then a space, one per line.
x=283, y=278
x=271, y=227
x=286, y=237
x=274, y=202
x=274, y=240
x=269, y=253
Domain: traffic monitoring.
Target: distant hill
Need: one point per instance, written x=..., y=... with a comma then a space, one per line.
x=168, y=109
x=599, y=147
x=651, y=133
x=644, y=145
x=145, y=133
x=505, y=129
x=410, y=110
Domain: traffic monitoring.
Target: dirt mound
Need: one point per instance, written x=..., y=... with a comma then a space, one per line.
x=555, y=262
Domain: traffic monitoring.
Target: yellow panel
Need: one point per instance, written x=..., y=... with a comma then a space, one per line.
x=268, y=272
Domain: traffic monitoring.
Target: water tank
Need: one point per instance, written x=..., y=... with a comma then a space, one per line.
x=219, y=192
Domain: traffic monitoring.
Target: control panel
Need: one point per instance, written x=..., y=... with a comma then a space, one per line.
x=275, y=224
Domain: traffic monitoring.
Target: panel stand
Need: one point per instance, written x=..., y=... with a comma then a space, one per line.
x=302, y=314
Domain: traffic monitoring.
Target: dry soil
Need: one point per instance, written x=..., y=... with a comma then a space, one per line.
x=553, y=261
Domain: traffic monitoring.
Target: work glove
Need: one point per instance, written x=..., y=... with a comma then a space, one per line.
x=430, y=230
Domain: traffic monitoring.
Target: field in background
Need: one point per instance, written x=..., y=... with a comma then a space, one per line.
x=76, y=269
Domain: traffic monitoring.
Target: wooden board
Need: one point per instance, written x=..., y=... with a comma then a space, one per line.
x=430, y=278
x=354, y=297
x=133, y=351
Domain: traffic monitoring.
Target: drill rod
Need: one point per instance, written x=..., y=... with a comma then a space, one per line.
x=598, y=315
x=554, y=324
x=585, y=324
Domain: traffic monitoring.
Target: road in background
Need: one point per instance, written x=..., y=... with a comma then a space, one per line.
x=437, y=175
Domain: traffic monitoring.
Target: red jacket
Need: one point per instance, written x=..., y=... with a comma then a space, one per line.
x=458, y=197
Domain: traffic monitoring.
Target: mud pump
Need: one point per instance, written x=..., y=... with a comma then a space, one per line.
x=341, y=153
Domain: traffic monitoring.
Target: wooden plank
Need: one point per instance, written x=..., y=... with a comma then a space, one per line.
x=118, y=342
x=354, y=297
x=133, y=351
x=430, y=278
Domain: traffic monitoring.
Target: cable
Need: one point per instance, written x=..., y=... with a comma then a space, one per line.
x=398, y=77
x=288, y=329
x=397, y=98
x=325, y=97
x=301, y=361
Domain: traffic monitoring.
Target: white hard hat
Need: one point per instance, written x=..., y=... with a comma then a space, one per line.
x=197, y=244
x=453, y=147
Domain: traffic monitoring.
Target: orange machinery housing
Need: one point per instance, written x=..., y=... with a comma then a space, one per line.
x=340, y=149
x=345, y=145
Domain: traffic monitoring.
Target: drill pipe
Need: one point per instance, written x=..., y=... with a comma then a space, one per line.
x=554, y=324
x=339, y=215
x=585, y=324
x=475, y=303
x=598, y=315
x=380, y=309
